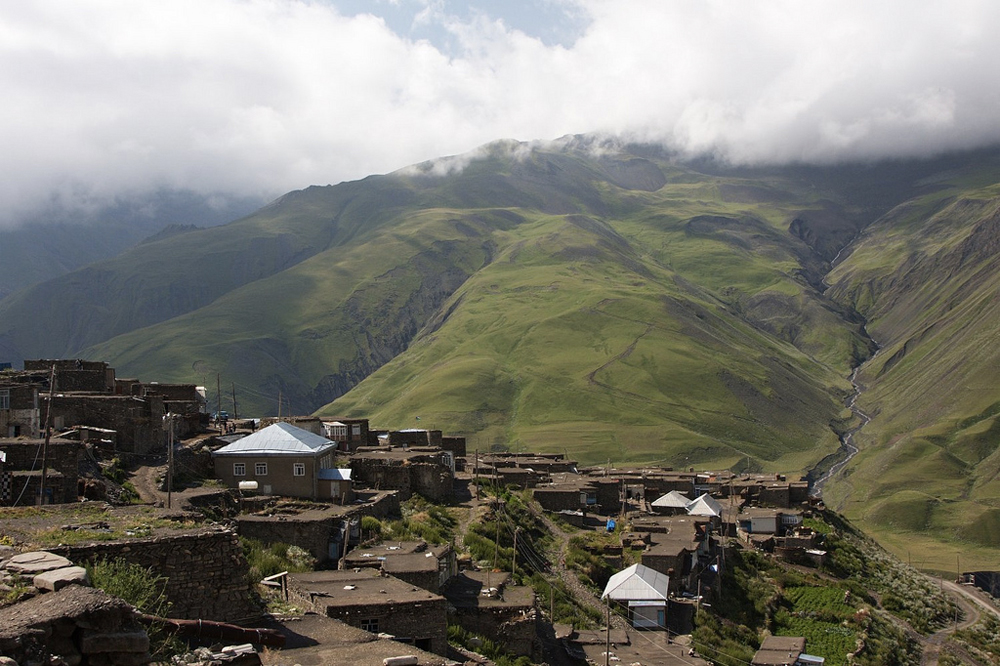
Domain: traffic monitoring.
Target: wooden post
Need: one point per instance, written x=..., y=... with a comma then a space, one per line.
x=607, y=640
x=236, y=413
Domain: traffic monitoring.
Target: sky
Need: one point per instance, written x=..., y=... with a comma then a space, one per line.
x=103, y=98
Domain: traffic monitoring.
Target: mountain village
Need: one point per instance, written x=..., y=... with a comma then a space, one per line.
x=148, y=474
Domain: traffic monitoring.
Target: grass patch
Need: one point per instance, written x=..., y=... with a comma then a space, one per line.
x=268, y=559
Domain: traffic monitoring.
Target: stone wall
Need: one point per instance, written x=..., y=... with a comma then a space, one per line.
x=76, y=375
x=516, y=628
x=62, y=460
x=75, y=625
x=314, y=533
x=424, y=622
x=431, y=480
x=207, y=574
x=138, y=422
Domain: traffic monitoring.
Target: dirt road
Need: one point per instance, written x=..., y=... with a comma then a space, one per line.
x=973, y=605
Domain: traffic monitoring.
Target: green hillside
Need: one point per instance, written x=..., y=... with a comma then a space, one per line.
x=926, y=276
x=613, y=303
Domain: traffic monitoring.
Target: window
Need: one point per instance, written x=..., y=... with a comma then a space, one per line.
x=370, y=624
x=299, y=469
x=260, y=469
x=239, y=469
x=4, y=398
x=356, y=430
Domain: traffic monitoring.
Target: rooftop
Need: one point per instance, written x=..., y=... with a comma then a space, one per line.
x=278, y=439
x=316, y=640
x=358, y=588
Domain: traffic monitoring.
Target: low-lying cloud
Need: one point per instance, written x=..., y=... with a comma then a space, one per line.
x=261, y=96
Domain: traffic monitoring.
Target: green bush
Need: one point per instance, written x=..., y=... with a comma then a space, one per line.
x=269, y=559
x=146, y=590
x=141, y=587
x=371, y=526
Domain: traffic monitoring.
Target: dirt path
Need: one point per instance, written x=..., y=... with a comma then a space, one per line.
x=972, y=605
x=468, y=507
x=584, y=595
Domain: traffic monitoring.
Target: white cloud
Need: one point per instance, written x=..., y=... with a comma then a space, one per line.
x=103, y=97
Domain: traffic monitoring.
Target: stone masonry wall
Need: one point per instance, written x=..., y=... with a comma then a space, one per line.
x=207, y=574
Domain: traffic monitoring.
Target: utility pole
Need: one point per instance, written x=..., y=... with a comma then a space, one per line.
x=236, y=413
x=513, y=565
x=218, y=394
x=607, y=639
x=169, y=419
x=48, y=432
x=279, y=404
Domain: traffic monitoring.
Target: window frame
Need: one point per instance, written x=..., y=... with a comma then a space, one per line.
x=4, y=398
x=239, y=469
x=260, y=469
x=369, y=624
x=298, y=469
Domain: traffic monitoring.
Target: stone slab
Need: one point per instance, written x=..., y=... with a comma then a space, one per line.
x=60, y=578
x=36, y=562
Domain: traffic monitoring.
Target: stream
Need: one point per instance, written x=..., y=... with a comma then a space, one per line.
x=847, y=448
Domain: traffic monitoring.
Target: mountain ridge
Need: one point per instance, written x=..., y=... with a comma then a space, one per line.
x=618, y=303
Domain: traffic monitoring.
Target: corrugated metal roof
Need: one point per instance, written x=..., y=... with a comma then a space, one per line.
x=335, y=474
x=637, y=583
x=278, y=439
x=706, y=505
x=673, y=499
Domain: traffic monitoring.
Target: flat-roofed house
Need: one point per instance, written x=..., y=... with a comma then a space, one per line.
x=283, y=460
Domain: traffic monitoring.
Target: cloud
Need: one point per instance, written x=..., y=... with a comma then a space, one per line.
x=263, y=96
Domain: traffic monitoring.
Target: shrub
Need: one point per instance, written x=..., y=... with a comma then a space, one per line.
x=268, y=559
x=141, y=587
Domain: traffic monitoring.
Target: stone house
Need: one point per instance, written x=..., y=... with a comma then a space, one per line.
x=325, y=531
x=378, y=603
x=517, y=476
x=416, y=562
x=414, y=437
x=429, y=472
x=456, y=445
x=20, y=415
x=348, y=433
x=21, y=473
x=784, y=651
x=283, y=460
x=568, y=493
x=759, y=520
x=485, y=603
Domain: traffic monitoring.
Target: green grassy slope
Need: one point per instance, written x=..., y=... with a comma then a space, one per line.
x=612, y=303
x=927, y=276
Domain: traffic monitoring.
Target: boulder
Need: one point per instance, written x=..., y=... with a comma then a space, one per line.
x=60, y=578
